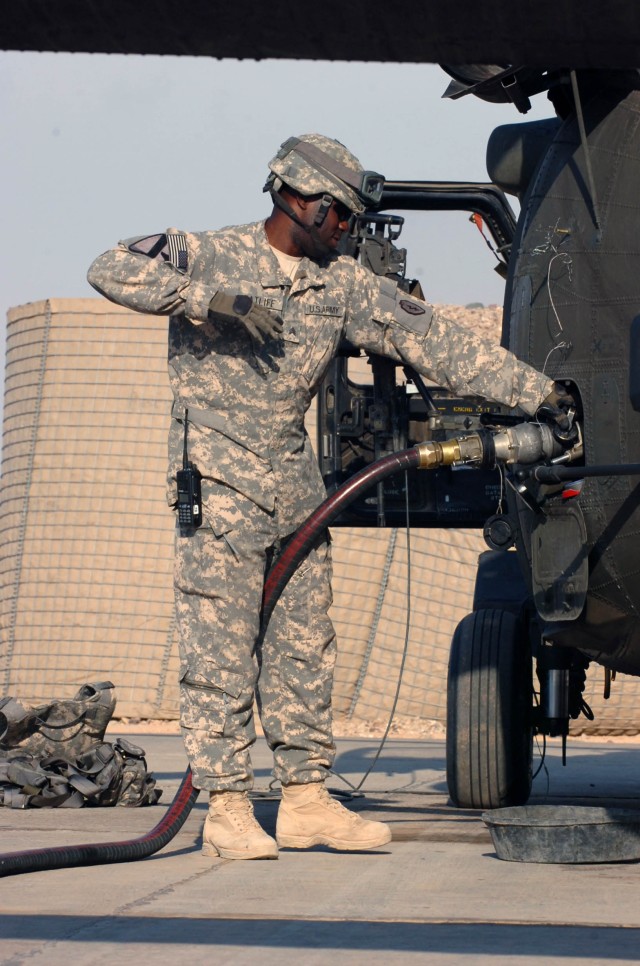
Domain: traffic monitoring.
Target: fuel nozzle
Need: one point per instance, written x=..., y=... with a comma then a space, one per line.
x=525, y=443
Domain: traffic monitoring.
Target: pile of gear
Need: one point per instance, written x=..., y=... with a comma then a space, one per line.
x=55, y=756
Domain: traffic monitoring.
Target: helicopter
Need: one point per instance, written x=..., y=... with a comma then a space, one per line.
x=559, y=586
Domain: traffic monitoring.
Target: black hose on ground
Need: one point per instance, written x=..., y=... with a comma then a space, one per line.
x=102, y=853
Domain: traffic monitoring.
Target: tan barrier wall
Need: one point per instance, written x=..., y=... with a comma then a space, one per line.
x=86, y=553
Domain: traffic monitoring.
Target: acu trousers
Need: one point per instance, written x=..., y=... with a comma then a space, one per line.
x=226, y=661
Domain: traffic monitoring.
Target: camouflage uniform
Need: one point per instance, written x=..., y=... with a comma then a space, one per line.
x=246, y=404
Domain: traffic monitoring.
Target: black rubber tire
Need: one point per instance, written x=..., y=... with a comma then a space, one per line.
x=489, y=711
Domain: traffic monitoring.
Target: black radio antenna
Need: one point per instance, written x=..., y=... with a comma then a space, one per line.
x=185, y=460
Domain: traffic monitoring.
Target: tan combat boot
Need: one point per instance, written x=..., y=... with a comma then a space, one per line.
x=309, y=816
x=231, y=830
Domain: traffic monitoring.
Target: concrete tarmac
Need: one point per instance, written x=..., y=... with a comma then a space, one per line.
x=437, y=894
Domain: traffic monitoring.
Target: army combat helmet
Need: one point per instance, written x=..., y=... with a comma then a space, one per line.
x=316, y=165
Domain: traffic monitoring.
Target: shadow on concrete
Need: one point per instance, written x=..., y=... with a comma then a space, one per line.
x=548, y=942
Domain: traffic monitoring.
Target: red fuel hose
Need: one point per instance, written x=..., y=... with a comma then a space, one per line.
x=305, y=536
x=101, y=853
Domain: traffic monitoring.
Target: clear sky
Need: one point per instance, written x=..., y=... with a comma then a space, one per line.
x=99, y=147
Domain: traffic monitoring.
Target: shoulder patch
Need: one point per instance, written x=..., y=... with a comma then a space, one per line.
x=178, y=253
x=153, y=246
x=413, y=314
x=411, y=308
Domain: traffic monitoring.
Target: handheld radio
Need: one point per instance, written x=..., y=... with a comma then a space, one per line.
x=189, y=489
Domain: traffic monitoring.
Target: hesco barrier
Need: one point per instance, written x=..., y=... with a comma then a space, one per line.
x=87, y=541
x=86, y=536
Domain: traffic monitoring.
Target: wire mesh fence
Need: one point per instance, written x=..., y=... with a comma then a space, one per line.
x=87, y=542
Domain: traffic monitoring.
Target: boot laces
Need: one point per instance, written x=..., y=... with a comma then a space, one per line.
x=239, y=810
x=336, y=806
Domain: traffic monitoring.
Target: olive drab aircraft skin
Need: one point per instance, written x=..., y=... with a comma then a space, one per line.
x=559, y=587
x=572, y=301
x=585, y=33
x=572, y=309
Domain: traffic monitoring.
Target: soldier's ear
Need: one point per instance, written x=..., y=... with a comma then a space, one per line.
x=302, y=202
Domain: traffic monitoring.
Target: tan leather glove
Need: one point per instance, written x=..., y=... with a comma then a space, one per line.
x=260, y=322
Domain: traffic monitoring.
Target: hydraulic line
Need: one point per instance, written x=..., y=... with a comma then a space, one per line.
x=426, y=455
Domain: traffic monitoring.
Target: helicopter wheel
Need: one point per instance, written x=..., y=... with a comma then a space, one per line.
x=489, y=711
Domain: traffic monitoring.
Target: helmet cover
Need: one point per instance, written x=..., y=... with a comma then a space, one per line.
x=313, y=165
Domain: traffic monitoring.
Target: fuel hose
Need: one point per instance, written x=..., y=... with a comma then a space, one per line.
x=295, y=550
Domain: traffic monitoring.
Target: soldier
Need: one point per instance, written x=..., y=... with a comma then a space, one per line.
x=256, y=314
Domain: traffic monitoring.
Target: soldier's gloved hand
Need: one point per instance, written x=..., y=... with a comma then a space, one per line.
x=241, y=308
x=559, y=407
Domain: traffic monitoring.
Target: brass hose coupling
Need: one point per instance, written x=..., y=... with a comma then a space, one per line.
x=526, y=444
x=465, y=449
